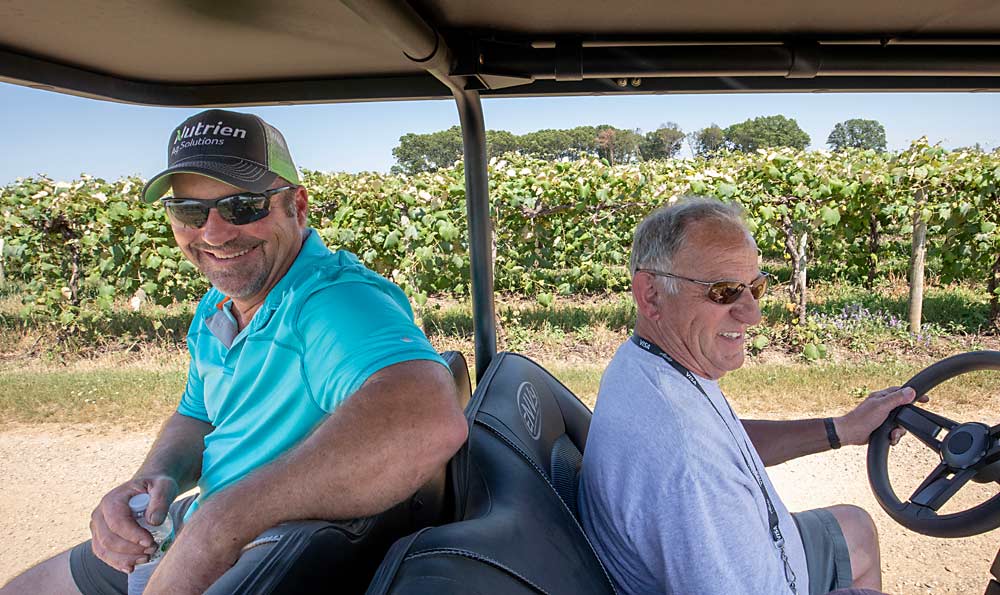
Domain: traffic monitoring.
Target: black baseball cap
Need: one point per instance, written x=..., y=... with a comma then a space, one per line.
x=241, y=150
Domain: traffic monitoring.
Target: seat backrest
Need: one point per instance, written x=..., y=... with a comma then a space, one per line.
x=443, y=489
x=460, y=372
x=518, y=531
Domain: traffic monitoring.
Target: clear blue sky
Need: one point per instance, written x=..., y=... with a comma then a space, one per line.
x=62, y=136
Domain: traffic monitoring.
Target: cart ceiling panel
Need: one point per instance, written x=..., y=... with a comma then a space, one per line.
x=195, y=41
x=850, y=18
x=231, y=52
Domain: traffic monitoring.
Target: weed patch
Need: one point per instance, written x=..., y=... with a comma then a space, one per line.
x=99, y=395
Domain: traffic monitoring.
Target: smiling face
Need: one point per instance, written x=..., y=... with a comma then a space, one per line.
x=242, y=261
x=708, y=338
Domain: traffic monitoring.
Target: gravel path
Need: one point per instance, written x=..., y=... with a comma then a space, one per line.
x=52, y=477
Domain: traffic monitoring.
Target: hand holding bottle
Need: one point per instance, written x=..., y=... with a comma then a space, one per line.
x=117, y=538
x=163, y=537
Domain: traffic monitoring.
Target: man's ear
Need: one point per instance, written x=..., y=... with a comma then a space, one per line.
x=647, y=295
x=302, y=206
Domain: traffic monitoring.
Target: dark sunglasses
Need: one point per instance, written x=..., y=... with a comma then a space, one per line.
x=723, y=292
x=238, y=209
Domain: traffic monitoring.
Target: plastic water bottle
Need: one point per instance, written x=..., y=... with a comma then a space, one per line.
x=163, y=536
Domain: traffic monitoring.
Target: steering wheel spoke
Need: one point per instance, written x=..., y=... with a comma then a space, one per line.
x=993, y=450
x=924, y=425
x=940, y=486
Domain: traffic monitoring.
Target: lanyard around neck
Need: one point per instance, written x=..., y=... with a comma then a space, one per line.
x=772, y=513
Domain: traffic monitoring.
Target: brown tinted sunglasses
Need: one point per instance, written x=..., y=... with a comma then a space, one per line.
x=723, y=292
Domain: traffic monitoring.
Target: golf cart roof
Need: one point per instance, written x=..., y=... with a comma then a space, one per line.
x=253, y=52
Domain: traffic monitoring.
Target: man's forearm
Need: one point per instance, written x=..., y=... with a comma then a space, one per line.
x=177, y=451
x=374, y=451
x=780, y=441
x=377, y=449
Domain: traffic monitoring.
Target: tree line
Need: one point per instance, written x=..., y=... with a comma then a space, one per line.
x=427, y=152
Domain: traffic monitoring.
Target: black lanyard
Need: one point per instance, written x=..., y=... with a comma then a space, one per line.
x=772, y=513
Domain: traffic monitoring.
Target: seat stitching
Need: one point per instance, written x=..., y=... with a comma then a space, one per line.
x=261, y=541
x=479, y=558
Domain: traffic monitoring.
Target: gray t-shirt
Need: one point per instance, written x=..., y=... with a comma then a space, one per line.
x=665, y=495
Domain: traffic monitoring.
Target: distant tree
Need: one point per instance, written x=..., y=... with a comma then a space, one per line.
x=707, y=141
x=607, y=143
x=499, y=142
x=766, y=131
x=976, y=148
x=662, y=143
x=546, y=144
x=617, y=145
x=858, y=134
x=427, y=152
x=559, y=144
x=580, y=140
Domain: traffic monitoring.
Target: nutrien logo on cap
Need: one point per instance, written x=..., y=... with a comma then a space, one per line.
x=204, y=130
x=531, y=413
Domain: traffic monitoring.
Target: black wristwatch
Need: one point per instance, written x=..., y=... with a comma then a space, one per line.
x=831, y=433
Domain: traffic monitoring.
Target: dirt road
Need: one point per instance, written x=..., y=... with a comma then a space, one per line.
x=51, y=478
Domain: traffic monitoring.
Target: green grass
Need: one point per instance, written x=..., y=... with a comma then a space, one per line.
x=841, y=315
x=793, y=390
x=781, y=390
x=33, y=330
x=615, y=312
x=100, y=395
x=143, y=396
x=583, y=380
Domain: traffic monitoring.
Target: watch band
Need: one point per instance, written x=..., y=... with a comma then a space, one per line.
x=831, y=433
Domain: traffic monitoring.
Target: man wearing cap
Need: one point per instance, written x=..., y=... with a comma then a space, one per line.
x=311, y=394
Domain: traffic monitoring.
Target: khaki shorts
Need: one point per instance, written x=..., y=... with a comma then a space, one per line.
x=827, y=558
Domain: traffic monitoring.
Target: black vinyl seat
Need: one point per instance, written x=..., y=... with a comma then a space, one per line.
x=517, y=529
x=460, y=372
x=342, y=556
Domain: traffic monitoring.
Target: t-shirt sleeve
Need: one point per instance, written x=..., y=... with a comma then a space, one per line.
x=352, y=330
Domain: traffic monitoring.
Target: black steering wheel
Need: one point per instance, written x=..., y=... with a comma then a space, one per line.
x=968, y=451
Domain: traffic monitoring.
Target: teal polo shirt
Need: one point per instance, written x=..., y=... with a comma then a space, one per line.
x=324, y=328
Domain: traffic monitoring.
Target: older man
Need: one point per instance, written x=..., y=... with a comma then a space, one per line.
x=674, y=493
x=311, y=394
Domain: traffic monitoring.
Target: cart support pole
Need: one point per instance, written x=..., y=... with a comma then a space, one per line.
x=423, y=44
x=477, y=204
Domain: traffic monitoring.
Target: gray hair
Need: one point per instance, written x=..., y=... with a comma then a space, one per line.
x=663, y=232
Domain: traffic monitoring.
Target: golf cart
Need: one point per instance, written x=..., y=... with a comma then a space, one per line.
x=502, y=516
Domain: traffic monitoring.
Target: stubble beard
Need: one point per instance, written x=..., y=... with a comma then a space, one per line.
x=239, y=281
x=236, y=285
